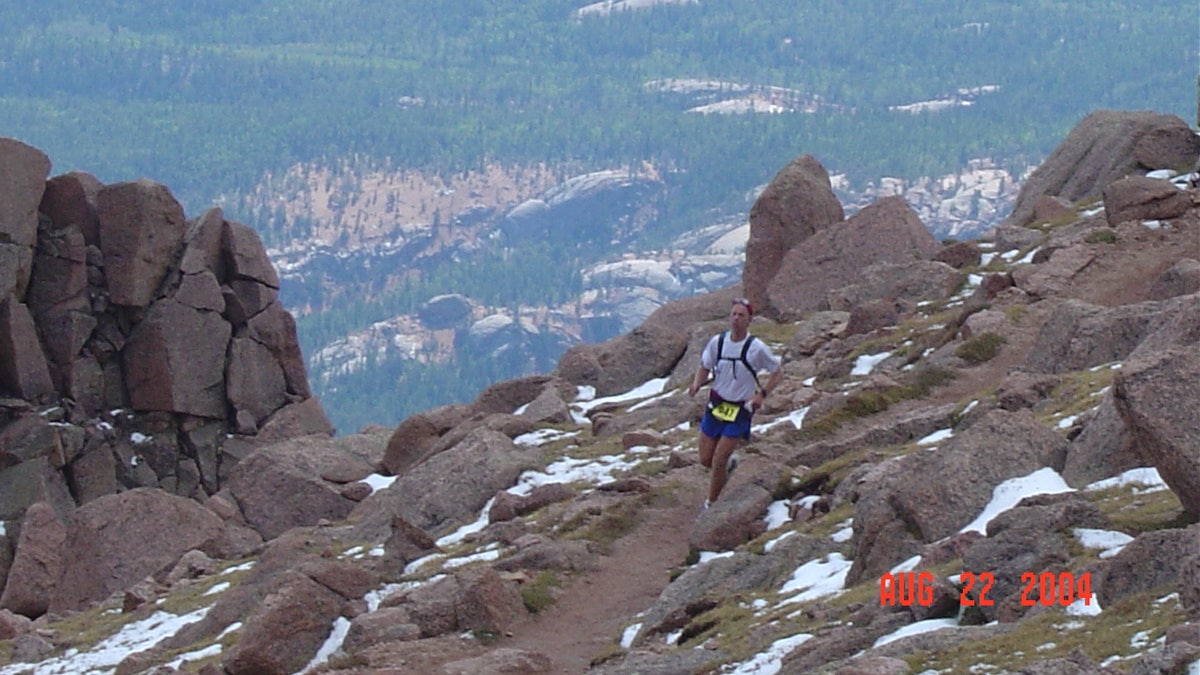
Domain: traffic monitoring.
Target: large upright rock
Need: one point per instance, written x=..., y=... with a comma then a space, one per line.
x=887, y=231
x=624, y=362
x=141, y=229
x=70, y=201
x=175, y=361
x=798, y=202
x=1158, y=397
x=23, y=369
x=119, y=540
x=37, y=564
x=23, y=171
x=1106, y=146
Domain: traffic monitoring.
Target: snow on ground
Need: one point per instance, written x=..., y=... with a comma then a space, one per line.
x=1007, y=494
x=104, y=657
x=812, y=579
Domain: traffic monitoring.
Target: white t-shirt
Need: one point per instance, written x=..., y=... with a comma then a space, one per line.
x=731, y=380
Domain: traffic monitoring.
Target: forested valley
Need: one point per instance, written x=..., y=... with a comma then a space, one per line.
x=210, y=96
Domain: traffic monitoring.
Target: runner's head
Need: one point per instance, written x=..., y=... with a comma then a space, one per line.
x=740, y=313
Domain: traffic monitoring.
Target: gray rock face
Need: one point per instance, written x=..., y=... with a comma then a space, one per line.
x=293, y=484
x=887, y=231
x=898, y=510
x=798, y=202
x=39, y=562
x=1080, y=335
x=649, y=351
x=141, y=227
x=1158, y=398
x=22, y=184
x=449, y=485
x=1104, y=147
x=1142, y=198
x=119, y=540
x=1150, y=561
x=175, y=361
x=23, y=371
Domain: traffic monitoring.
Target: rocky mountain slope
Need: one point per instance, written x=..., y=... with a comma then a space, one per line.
x=997, y=422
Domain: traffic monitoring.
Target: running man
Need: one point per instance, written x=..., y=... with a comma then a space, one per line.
x=734, y=359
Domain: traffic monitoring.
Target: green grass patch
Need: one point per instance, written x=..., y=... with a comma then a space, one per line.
x=774, y=334
x=980, y=348
x=1101, y=236
x=864, y=404
x=1133, y=510
x=1120, y=631
x=539, y=593
x=605, y=525
x=1078, y=393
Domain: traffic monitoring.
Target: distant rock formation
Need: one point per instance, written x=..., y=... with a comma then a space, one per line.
x=1104, y=147
x=139, y=348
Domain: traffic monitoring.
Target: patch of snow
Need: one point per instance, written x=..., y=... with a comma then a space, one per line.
x=1007, y=494
x=777, y=515
x=864, y=364
x=341, y=628
x=816, y=579
x=796, y=417
x=1145, y=476
x=770, y=661
x=927, y=626
x=936, y=437
x=133, y=637
x=1108, y=542
x=379, y=481
x=629, y=634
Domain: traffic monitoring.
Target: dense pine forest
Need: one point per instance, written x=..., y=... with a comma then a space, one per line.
x=209, y=96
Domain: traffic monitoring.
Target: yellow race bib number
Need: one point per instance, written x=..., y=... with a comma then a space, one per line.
x=726, y=411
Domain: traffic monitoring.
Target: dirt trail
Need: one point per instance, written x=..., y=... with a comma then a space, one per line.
x=588, y=616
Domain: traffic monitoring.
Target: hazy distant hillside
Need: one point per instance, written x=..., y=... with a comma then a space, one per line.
x=209, y=96
x=259, y=105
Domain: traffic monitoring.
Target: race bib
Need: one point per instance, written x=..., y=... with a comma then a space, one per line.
x=726, y=411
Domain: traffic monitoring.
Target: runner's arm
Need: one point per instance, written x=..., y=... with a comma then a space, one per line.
x=698, y=381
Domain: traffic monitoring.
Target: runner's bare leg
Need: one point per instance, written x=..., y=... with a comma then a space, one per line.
x=720, y=460
x=708, y=445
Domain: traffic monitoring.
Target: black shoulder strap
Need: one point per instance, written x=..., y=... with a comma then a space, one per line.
x=743, y=357
x=745, y=352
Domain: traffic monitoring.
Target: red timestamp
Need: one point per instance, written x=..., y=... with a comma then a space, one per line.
x=917, y=588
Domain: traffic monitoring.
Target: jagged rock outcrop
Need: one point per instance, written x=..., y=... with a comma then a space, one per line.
x=887, y=231
x=797, y=203
x=1105, y=147
x=139, y=350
